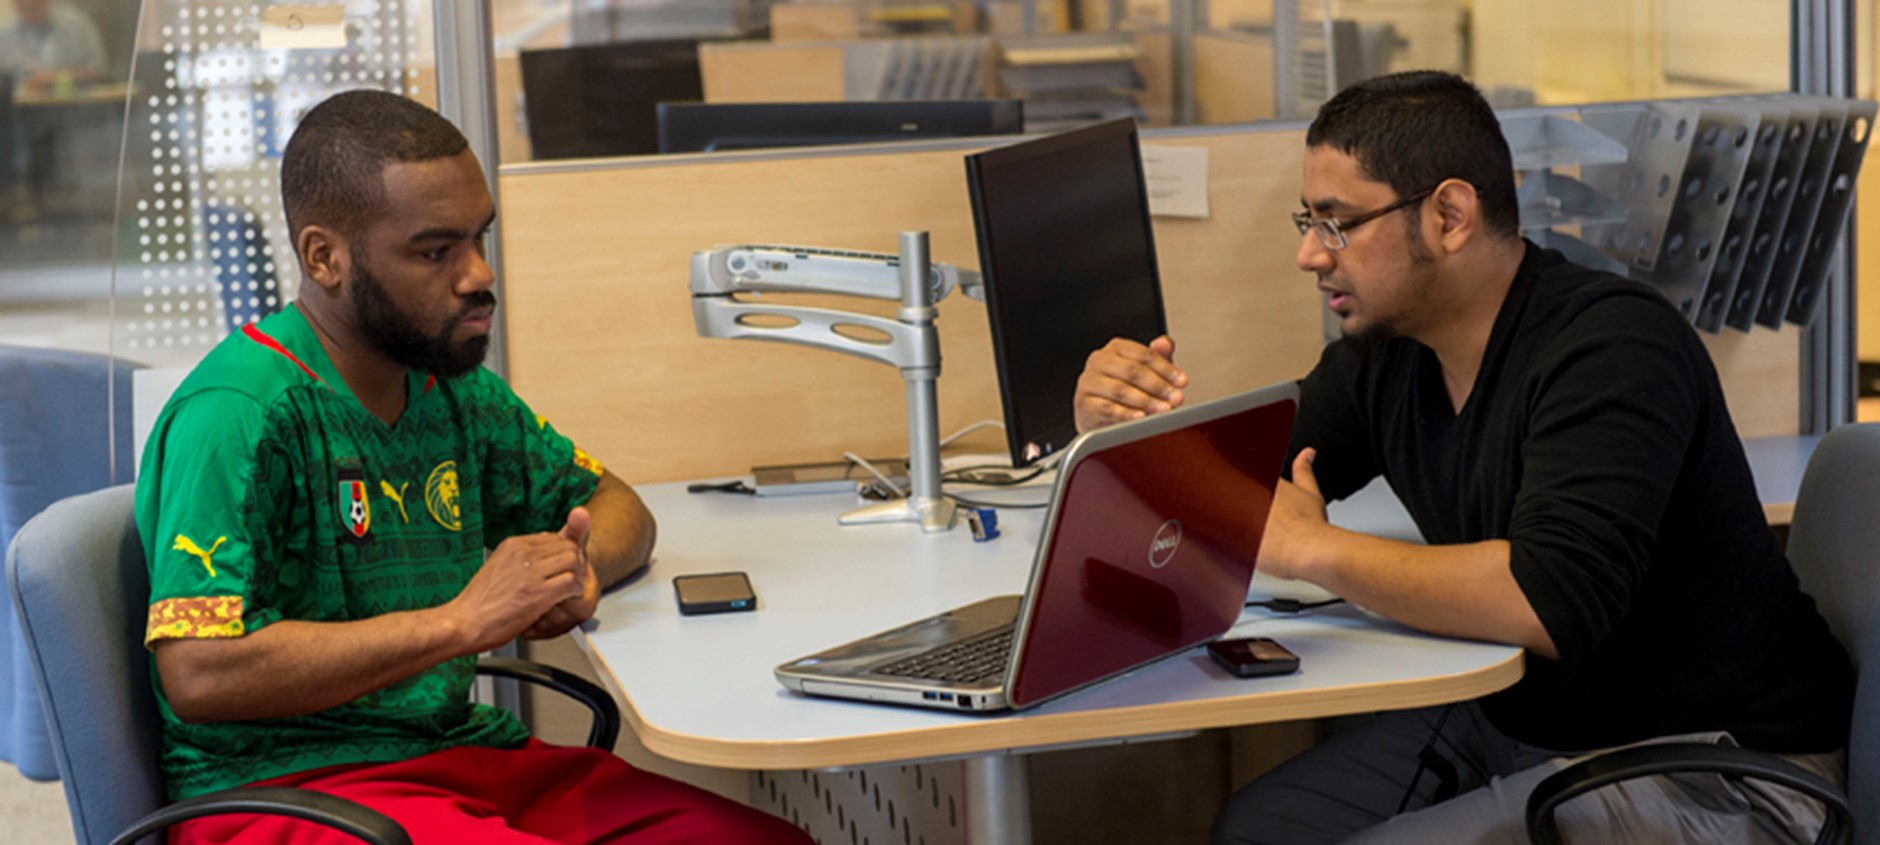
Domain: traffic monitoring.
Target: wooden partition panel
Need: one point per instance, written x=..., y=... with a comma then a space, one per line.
x=512, y=142
x=1156, y=63
x=601, y=337
x=1233, y=77
x=815, y=22
x=761, y=72
x=1761, y=374
x=600, y=329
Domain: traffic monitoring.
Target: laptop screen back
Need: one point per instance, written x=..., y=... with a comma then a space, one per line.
x=1153, y=550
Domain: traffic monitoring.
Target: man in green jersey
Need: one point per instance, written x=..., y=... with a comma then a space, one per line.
x=316, y=503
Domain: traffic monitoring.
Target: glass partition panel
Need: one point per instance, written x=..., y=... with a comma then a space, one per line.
x=1867, y=235
x=64, y=404
x=1606, y=50
x=217, y=89
x=63, y=73
x=599, y=68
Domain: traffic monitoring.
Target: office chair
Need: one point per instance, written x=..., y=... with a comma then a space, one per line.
x=77, y=576
x=1831, y=544
x=64, y=414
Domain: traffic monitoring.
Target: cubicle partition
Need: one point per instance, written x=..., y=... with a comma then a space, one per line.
x=601, y=333
x=601, y=328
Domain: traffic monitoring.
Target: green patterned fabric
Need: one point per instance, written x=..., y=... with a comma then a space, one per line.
x=268, y=492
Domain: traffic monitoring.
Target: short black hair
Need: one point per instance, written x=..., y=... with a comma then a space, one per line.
x=333, y=171
x=1414, y=129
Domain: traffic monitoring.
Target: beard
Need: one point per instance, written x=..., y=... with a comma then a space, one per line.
x=398, y=336
x=1371, y=336
x=1418, y=254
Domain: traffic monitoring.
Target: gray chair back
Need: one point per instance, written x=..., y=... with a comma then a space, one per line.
x=77, y=578
x=63, y=416
x=1835, y=546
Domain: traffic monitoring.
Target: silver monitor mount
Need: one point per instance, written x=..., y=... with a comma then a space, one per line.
x=908, y=342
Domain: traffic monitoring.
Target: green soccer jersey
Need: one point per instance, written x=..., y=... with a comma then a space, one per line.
x=268, y=492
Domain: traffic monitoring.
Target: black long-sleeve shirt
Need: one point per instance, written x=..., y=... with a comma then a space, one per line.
x=1597, y=443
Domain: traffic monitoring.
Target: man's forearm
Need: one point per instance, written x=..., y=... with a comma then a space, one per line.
x=1465, y=590
x=293, y=668
x=620, y=539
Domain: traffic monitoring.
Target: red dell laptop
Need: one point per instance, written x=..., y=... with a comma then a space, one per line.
x=1148, y=549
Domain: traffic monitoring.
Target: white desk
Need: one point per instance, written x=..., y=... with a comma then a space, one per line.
x=700, y=690
x=1778, y=463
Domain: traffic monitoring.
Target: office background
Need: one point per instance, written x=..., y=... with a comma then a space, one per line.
x=155, y=262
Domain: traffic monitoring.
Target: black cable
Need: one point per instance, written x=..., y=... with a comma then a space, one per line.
x=991, y=475
x=974, y=503
x=1291, y=605
x=1427, y=760
x=1475, y=769
x=738, y=487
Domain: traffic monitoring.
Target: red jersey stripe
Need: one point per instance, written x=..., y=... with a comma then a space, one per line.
x=260, y=337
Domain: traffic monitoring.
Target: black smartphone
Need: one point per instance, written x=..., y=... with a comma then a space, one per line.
x=1253, y=657
x=715, y=592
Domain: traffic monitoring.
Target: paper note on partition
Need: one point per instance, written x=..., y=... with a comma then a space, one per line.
x=1177, y=178
x=304, y=27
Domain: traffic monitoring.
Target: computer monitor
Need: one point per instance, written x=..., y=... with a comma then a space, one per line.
x=601, y=100
x=1068, y=256
x=712, y=127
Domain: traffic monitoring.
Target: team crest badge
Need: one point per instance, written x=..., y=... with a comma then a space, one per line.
x=355, y=509
x=440, y=496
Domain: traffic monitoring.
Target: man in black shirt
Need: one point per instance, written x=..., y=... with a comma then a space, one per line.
x=1561, y=439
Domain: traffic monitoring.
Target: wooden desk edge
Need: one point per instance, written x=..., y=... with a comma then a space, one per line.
x=975, y=735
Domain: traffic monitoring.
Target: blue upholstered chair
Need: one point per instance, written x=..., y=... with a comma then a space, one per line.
x=1833, y=543
x=57, y=414
x=77, y=577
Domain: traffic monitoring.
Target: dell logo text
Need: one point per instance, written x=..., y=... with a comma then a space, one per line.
x=1162, y=547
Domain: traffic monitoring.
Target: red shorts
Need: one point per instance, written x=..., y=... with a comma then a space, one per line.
x=538, y=793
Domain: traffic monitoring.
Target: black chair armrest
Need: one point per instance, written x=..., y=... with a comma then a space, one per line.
x=332, y=811
x=1670, y=758
x=606, y=726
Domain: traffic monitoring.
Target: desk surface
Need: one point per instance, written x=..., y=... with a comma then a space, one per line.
x=700, y=689
x=1778, y=464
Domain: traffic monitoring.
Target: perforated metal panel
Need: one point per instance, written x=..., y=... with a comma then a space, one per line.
x=203, y=245
x=915, y=804
x=1732, y=206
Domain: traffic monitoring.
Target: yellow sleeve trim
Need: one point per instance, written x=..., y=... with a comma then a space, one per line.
x=587, y=462
x=204, y=617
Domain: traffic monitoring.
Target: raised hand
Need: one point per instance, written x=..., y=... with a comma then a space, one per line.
x=1126, y=380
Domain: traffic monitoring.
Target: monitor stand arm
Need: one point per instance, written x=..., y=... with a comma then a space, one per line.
x=912, y=345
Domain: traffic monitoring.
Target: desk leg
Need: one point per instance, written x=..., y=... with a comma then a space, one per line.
x=998, y=799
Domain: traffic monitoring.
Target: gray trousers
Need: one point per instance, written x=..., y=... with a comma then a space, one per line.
x=1367, y=787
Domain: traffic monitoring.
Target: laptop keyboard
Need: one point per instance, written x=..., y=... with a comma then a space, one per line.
x=968, y=661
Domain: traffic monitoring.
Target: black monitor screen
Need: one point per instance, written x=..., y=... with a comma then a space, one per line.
x=713, y=127
x=602, y=100
x=1068, y=256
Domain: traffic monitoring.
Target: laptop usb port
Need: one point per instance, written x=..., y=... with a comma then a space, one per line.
x=930, y=696
x=946, y=696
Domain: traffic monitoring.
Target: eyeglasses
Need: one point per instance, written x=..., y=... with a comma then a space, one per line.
x=1331, y=233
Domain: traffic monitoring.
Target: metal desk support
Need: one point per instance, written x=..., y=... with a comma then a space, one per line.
x=998, y=799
